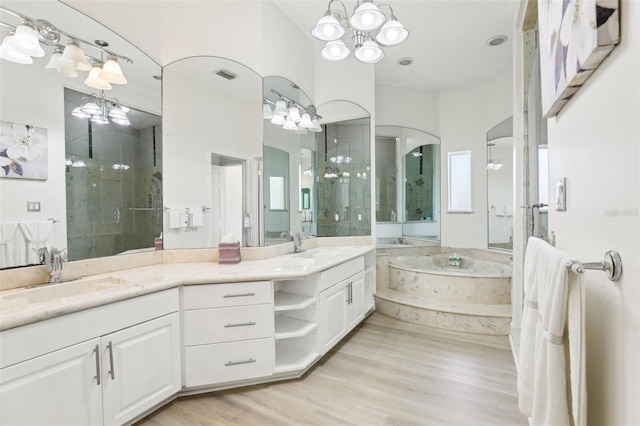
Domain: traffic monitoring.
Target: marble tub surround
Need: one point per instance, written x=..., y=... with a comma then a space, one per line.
x=423, y=289
x=35, y=275
x=140, y=280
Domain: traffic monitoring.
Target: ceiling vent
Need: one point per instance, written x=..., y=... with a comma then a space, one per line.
x=226, y=74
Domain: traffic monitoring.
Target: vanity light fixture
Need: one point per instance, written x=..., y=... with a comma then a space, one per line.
x=365, y=20
x=493, y=164
x=101, y=110
x=291, y=115
x=25, y=40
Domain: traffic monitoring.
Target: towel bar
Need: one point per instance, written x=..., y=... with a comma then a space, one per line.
x=612, y=264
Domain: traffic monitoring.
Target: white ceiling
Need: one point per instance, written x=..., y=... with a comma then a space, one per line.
x=447, y=39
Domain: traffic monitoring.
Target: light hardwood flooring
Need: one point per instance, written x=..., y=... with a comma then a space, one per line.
x=386, y=372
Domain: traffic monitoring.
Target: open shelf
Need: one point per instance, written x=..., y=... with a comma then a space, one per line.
x=287, y=328
x=290, y=301
x=290, y=358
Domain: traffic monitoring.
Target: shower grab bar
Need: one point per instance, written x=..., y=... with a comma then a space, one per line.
x=143, y=209
x=204, y=208
x=611, y=264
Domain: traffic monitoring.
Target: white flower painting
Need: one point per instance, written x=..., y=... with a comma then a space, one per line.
x=23, y=151
x=575, y=37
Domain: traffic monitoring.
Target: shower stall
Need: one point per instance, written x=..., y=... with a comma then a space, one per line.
x=113, y=183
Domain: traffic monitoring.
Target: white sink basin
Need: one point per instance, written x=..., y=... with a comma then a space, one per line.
x=51, y=292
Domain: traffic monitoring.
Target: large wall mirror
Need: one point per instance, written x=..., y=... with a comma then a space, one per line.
x=212, y=129
x=500, y=185
x=79, y=183
x=343, y=189
x=288, y=152
x=408, y=182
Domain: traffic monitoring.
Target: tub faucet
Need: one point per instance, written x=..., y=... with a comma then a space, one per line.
x=53, y=260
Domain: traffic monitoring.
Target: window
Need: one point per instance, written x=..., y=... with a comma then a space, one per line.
x=277, y=193
x=460, y=181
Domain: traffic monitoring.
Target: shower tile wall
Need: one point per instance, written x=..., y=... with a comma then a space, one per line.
x=100, y=221
x=344, y=200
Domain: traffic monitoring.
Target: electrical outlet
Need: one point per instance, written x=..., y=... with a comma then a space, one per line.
x=33, y=206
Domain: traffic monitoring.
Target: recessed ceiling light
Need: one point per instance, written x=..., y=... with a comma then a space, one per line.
x=405, y=61
x=497, y=40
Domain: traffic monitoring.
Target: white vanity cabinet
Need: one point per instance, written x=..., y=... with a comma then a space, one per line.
x=341, y=301
x=228, y=333
x=109, y=379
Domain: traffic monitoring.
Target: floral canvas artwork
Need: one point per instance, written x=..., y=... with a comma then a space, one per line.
x=23, y=151
x=575, y=37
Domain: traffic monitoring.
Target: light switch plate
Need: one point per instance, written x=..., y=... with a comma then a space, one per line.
x=561, y=195
x=33, y=206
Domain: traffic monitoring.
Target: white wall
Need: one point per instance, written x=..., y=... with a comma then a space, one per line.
x=404, y=107
x=594, y=143
x=466, y=113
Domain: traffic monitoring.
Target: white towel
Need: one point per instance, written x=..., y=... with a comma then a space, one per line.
x=174, y=217
x=542, y=378
x=576, y=340
x=9, y=253
x=38, y=234
x=196, y=216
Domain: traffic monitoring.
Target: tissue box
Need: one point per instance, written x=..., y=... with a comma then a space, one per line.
x=229, y=252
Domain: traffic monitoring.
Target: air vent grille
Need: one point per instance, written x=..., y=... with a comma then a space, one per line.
x=226, y=74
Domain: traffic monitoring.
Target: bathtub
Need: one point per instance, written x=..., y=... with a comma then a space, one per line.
x=430, y=276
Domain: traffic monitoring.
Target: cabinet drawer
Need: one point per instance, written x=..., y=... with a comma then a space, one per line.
x=341, y=272
x=229, y=362
x=233, y=294
x=217, y=325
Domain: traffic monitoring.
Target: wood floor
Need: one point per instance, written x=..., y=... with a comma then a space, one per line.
x=386, y=372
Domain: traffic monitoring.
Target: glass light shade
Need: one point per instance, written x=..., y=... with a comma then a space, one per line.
x=117, y=112
x=125, y=108
x=78, y=112
x=367, y=17
x=10, y=54
x=278, y=119
x=328, y=28
x=305, y=121
x=91, y=108
x=122, y=121
x=335, y=50
x=25, y=40
x=289, y=125
x=266, y=111
x=315, y=126
x=94, y=80
x=73, y=56
x=294, y=114
x=369, y=52
x=56, y=66
x=392, y=33
x=281, y=109
x=99, y=119
x=112, y=72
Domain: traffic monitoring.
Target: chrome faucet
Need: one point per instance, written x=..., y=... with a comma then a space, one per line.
x=53, y=260
x=297, y=241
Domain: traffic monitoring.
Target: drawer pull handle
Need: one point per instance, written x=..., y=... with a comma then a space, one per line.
x=112, y=371
x=248, y=361
x=243, y=324
x=98, y=373
x=239, y=295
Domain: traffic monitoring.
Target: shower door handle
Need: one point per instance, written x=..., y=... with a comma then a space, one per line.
x=117, y=216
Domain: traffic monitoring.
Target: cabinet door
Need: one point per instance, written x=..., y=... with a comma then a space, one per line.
x=333, y=310
x=140, y=368
x=355, y=299
x=59, y=388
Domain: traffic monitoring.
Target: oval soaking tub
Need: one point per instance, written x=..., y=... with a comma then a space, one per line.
x=474, y=281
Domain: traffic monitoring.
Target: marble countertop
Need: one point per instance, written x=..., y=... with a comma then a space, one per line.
x=23, y=306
